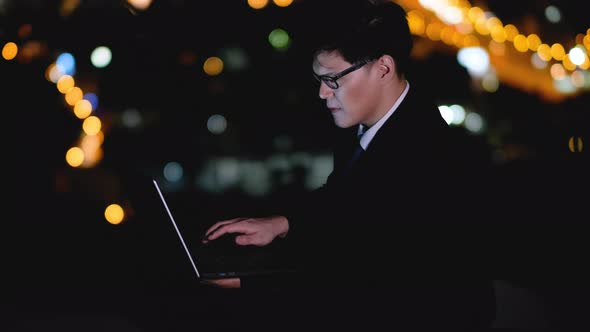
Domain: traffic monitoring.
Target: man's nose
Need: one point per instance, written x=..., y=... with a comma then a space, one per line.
x=325, y=91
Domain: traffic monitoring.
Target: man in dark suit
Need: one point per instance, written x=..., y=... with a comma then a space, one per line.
x=374, y=246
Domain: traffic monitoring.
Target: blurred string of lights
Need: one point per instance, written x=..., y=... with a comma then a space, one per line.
x=87, y=151
x=480, y=36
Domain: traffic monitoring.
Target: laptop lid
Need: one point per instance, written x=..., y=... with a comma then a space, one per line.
x=222, y=258
x=190, y=256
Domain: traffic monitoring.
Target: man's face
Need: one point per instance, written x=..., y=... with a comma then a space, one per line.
x=355, y=99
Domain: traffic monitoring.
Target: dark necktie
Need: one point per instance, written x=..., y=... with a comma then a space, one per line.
x=355, y=156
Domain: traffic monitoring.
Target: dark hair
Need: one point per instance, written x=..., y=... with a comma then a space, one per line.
x=364, y=30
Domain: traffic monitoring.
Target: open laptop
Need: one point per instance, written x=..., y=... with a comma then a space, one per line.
x=225, y=259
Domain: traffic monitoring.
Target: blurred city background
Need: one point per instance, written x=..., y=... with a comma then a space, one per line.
x=216, y=100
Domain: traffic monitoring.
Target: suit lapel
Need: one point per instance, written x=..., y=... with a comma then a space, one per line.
x=397, y=138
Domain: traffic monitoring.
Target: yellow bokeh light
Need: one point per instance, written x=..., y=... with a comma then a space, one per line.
x=447, y=34
x=283, y=3
x=9, y=51
x=416, y=22
x=534, y=42
x=493, y=22
x=75, y=157
x=91, y=125
x=586, y=64
x=213, y=66
x=498, y=34
x=557, y=51
x=521, y=43
x=82, y=109
x=511, y=32
x=74, y=95
x=481, y=26
x=433, y=31
x=114, y=214
x=257, y=4
x=576, y=144
x=475, y=13
x=544, y=52
x=65, y=83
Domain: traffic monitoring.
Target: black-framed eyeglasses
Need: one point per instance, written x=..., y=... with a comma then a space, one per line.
x=332, y=79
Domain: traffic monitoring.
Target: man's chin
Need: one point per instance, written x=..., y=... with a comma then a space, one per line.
x=341, y=123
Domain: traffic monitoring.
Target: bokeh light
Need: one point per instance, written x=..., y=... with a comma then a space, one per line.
x=91, y=125
x=474, y=123
x=114, y=214
x=475, y=59
x=257, y=4
x=557, y=51
x=577, y=55
x=92, y=98
x=216, y=124
x=553, y=14
x=74, y=95
x=490, y=82
x=83, y=109
x=65, y=83
x=458, y=114
x=75, y=157
x=213, y=66
x=140, y=4
x=9, y=51
x=279, y=39
x=283, y=3
x=447, y=113
x=173, y=171
x=53, y=73
x=131, y=118
x=101, y=57
x=66, y=63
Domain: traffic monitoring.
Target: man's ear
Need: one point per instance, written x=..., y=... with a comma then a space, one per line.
x=386, y=67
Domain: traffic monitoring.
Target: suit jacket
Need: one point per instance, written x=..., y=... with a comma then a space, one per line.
x=381, y=243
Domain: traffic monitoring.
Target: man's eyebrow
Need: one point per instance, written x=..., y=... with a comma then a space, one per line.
x=326, y=75
x=330, y=72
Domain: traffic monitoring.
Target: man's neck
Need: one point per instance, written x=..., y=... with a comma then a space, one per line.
x=389, y=98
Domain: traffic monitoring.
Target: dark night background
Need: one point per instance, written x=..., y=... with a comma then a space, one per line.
x=68, y=268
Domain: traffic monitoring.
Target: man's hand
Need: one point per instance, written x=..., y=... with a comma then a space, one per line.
x=224, y=283
x=254, y=231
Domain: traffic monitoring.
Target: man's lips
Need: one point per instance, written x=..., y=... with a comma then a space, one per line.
x=334, y=109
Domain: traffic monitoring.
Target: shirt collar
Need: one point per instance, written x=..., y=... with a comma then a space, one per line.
x=368, y=134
